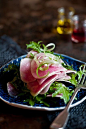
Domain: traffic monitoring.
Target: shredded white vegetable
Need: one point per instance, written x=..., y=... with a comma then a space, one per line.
x=50, y=45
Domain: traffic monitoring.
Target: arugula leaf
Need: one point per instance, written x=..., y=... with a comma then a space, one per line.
x=12, y=67
x=38, y=99
x=41, y=98
x=67, y=66
x=59, y=88
x=77, y=76
x=30, y=101
x=35, y=46
x=73, y=79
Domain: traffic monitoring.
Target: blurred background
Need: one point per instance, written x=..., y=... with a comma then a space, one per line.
x=27, y=20
x=36, y=20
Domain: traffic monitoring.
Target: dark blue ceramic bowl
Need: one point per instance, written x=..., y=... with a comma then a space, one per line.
x=18, y=102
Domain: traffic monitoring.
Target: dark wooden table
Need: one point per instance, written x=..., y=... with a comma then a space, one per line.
x=35, y=20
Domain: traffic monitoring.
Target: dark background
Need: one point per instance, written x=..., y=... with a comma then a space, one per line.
x=35, y=20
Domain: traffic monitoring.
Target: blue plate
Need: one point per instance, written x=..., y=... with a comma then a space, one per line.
x=18, y=102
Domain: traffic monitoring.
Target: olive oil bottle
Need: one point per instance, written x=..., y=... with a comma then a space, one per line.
x=65, y=22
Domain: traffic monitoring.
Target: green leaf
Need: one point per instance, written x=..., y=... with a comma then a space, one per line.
x=77, y=76
x=59, y=88
x=73, y=79
x=35, y=46
x=30, y=101
x=67, y=66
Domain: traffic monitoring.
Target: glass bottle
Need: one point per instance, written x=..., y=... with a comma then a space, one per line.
x=65, y=22
x=79, y=30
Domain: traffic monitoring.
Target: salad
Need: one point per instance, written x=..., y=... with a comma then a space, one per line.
x=41, y=75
